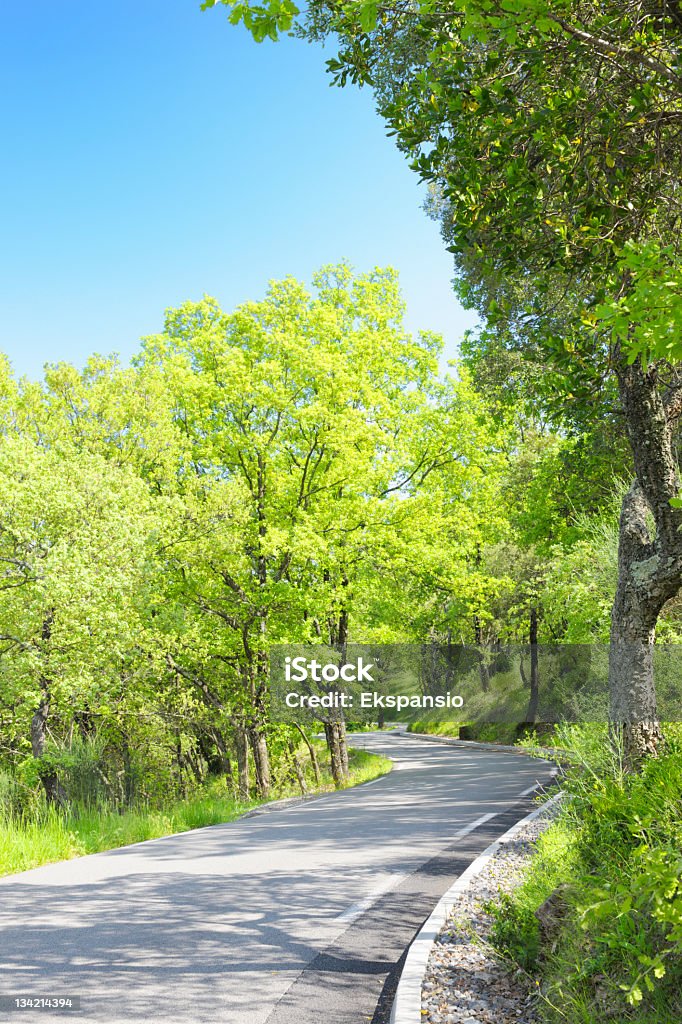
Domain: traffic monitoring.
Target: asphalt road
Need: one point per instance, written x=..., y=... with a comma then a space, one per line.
x=297, y=915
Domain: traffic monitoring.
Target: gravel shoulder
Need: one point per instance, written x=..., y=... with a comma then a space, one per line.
x=465, y=981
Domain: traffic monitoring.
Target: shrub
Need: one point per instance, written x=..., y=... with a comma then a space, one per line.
x=616, y=853
x=515, y=932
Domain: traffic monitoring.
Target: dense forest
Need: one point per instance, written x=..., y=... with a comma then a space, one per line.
x=297, y=471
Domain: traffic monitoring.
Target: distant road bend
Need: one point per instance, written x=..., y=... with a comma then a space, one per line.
x=299, y=915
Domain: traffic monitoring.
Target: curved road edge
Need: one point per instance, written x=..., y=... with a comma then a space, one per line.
x=546, y=753
x=407, y=1002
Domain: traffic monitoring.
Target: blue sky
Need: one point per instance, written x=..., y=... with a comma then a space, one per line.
x=154, y=153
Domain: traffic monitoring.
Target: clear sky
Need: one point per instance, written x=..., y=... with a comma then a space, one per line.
x=153, y=153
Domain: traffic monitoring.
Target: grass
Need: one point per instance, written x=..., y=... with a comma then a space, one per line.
x=611, y=949
x=364, y=767
x=486, y=732
x=54, y=836
x=436, y=728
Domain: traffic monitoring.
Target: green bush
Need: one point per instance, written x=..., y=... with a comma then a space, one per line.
x=616, y=852
x=515, y=932
x=637, y=921
x=12, y=794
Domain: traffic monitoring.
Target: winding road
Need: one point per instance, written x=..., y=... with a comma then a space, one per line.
x=294, y=915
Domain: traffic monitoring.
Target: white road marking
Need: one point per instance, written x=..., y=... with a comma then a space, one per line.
x=359, y=908
x=356, y=909
x=475, y=824
x=531, y=789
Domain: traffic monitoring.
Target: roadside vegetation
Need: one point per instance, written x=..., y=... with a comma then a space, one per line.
x=598, y=918
x=33, y=832
x=506, y=733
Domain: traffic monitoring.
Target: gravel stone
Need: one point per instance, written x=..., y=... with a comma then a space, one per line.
x=465, y=982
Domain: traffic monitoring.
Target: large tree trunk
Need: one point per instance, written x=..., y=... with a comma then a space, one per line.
x=483, y=667
x=129, y=773
x=343, y=747
x=339, y=639
x=649, y=560
x=258, y=674
x=632, y=687
x=482, y=655
x=54, y=791
x=336, y=757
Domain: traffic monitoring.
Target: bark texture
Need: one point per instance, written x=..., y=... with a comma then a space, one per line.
x=338, y=752
x=649, y=554
x=261, y=761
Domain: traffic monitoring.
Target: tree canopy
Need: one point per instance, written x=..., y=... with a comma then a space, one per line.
x=549, y=133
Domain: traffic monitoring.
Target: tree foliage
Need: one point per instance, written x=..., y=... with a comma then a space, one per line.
x=294, y=471
x=549, y=133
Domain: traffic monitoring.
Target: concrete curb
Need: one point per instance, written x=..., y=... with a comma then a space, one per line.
x=407, y=1004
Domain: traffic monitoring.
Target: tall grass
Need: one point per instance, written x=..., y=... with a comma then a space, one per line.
x=26, y=844
x=45, y=834
x=609, y=873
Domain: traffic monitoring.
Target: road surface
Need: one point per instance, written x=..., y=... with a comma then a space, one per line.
x=296, y=915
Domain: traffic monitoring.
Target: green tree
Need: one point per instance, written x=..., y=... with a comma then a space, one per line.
x=73, y=547
x=551, y=133
x=301, y=402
